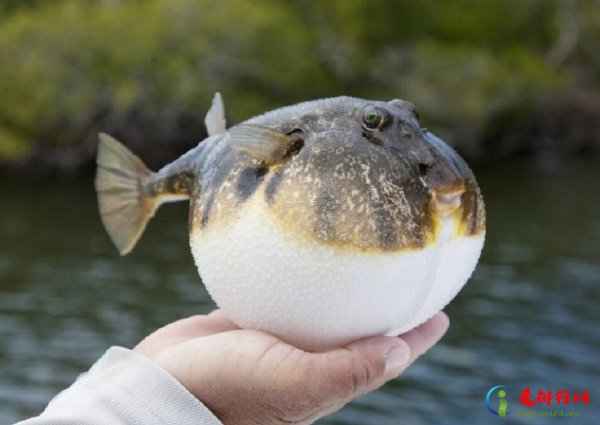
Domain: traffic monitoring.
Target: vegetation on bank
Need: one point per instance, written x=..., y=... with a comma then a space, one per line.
x=492, y=78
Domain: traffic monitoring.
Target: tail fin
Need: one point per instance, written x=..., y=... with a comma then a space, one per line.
x=124, y=207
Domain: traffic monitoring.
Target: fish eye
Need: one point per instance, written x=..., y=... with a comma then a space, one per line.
x=374, y=118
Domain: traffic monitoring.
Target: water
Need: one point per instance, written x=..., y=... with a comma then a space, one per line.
x=527, y=318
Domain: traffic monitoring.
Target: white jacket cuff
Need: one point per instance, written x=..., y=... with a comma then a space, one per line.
x=124, y=387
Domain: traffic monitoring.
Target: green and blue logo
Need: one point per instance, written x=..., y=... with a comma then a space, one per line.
x=502, y=403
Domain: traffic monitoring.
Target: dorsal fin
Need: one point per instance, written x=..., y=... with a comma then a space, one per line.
x=263, y=143
x=215, y=117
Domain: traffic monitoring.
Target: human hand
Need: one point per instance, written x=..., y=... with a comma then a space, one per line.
x=251, y=377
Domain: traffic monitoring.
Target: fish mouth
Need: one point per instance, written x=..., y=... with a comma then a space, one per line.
x=447, y=202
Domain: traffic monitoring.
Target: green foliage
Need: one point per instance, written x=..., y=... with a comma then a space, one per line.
x=146, y=70
x=462, y=90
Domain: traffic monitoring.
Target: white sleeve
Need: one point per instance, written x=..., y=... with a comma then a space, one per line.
x=124, y=387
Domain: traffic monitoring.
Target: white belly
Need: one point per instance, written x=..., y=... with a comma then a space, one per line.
x=317, y=297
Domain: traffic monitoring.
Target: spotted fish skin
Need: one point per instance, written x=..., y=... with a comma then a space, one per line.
x=320, y=223
x=339, y=182
x=341, y=188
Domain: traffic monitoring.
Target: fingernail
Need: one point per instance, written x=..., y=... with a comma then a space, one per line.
x=396, y=357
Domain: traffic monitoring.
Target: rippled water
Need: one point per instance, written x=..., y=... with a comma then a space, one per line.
x=527, y=318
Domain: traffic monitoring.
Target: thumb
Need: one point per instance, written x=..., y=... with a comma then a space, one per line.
x=365, y=365
x=382, y=357
x=361, y=366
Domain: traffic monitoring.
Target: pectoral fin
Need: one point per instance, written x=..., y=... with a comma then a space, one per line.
x=263, y=143
x=215, y=117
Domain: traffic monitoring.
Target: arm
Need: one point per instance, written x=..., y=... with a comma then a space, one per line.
x=243, y=376
x=124, y=387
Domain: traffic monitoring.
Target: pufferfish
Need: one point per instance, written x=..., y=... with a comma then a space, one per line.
x=321, y=223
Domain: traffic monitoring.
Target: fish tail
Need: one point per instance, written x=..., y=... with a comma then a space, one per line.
x=125, y=205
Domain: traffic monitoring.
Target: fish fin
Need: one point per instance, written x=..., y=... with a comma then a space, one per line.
x=215, y=117
x=124, y=208
x=263, y=143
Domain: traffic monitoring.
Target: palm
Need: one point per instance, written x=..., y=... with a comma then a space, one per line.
x=247, y=376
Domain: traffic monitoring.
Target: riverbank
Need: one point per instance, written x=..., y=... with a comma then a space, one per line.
x=482, y=77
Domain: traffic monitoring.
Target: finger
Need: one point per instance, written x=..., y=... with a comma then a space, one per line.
x=343, y=374
x=200, y=325
x=197, y=326
x=425, y=336
x=365, y=365
x=186, y=329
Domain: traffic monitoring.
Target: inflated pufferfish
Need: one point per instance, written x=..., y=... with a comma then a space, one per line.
x=321, y=223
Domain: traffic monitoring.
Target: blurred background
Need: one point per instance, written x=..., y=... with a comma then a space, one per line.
x=513, y=85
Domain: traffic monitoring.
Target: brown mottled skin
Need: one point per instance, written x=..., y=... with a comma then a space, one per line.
x=342, y=184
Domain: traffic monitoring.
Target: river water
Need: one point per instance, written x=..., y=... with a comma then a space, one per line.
x=527, y=318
